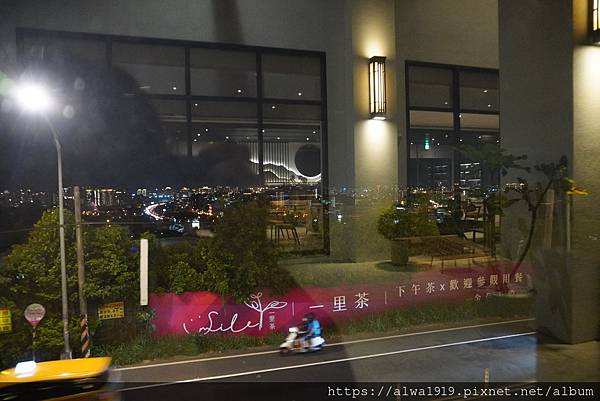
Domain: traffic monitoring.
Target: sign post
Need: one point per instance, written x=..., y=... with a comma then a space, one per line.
x=143, y=272
x=83, y=315
x=114, y=310
x=34, y=313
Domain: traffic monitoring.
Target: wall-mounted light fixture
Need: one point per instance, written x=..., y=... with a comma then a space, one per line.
x=377, y=106
x=595, y=21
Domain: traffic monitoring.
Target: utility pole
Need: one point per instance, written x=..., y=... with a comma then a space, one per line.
x=83, y=317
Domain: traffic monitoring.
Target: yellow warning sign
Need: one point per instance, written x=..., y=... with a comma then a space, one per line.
x=114, y=310
x=5, y=320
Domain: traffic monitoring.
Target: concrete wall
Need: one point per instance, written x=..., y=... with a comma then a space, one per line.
x=585, y=235
x=373, y=34
x=461, y=32
x=549, y=107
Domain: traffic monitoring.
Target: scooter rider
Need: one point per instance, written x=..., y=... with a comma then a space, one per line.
x=313, y=329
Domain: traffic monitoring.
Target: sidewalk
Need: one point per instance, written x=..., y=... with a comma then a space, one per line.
x=566, y=362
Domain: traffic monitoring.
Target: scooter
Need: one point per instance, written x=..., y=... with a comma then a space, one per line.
x=295, y=344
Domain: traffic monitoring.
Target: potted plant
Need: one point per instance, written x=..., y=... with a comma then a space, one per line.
x=397, y=223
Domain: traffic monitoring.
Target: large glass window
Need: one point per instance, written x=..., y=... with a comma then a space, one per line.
x=452, y=111
x=430, y=87
x=215, y=72
x=157, y=69
x=478, y=91
x=291, y=77
x=223, y=116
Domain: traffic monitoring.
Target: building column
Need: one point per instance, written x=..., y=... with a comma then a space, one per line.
x=550, y=106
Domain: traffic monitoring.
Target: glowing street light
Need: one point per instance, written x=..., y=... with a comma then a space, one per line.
x=34, y=98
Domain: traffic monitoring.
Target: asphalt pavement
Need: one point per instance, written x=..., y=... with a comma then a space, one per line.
x=498, y=352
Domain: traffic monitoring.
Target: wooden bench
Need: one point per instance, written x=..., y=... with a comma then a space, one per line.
x=448, y=247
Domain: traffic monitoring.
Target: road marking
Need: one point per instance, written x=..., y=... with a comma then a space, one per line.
x=355, y=358
x=217, y=358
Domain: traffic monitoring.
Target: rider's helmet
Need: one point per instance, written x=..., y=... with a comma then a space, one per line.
x=309, y=317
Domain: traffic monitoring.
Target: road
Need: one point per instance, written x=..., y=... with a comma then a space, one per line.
x=506, y=349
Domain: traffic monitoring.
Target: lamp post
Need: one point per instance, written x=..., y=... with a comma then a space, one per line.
x=35, y=99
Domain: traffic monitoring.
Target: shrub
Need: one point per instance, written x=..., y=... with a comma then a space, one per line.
x=399, y=221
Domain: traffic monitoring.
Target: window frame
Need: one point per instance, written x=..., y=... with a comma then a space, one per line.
x=455, y=109
x=259, y=99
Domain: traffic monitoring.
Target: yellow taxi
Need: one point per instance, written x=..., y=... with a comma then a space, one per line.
x=70, y=379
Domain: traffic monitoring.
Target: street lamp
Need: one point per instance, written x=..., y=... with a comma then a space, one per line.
x=34, y=98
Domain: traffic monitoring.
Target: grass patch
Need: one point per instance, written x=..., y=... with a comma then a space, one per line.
x=335, y=274
x=467, y=311
x=147, y=349
x=495, y=308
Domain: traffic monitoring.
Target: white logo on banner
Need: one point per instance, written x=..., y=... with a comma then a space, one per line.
x=254, y=304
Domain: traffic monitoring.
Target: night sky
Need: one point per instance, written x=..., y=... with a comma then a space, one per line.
x=110, y=138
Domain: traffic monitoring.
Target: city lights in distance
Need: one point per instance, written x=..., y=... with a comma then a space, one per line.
x=33, y=97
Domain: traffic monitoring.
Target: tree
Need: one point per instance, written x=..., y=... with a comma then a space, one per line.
x=31, y=273
x=240, y=258
x=533, y=196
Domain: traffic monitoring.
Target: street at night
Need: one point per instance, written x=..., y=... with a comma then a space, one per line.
x=285, y=200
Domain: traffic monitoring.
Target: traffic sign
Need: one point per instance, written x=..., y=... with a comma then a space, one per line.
x=114, y=310
x=5, y=320
x=34, y=313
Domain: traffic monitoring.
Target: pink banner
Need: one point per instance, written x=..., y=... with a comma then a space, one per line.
x=205, y=313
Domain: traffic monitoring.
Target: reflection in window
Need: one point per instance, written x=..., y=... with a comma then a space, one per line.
x=431, y=159
x=431, y=119
x=291, y=77
x=157, y=69
x=170, y=110
x=218, y=111
x=292, y=155
x=216, y=72
x=63, y=50
x=212, y=123
x=291, y=113
x=430, y=87
x=479, y=91
x=438, y=140
x=175, y=137
x=479, y=121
